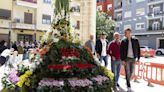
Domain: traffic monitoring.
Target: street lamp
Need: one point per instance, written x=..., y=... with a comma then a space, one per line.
x=9, y=34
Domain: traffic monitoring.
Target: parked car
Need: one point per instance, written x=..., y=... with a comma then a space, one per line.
x=160, y=51
x=147, y=51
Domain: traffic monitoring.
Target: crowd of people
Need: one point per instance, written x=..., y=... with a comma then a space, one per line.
x=122, y=52
x=21, y=48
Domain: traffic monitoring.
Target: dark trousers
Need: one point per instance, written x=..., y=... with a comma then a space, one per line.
x=105, y=59
x=129, y=69
x=116, y=66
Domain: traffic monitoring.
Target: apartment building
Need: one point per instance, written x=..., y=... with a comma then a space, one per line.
x=24, y=20
x=106, y=6
x=144, y=17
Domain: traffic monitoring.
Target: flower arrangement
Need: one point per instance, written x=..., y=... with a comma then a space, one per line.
x=16, y=79
x=24, y=79
x=80, y=83
x=69, y=52
x=51, y=83
x=100, y=79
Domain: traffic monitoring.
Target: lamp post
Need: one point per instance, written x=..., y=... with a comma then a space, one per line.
x=9, y=34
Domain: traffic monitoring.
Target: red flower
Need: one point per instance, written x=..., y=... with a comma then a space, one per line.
x=59, y=67
x=82, y=66
x=37, y=50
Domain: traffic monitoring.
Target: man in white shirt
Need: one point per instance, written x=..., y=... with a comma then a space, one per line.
x=101, y=48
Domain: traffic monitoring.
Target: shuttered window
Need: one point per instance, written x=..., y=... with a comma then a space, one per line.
x=28, y=18
x=5, y=14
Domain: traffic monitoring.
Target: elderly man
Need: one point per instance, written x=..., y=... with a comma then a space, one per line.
x=114, y=52
x=90, y=44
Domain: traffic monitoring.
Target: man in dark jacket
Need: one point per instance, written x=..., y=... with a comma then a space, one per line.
x=101, y=48
x=3, y=46
x=130, y=52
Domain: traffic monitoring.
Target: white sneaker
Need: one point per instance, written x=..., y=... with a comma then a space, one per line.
x=130, y=90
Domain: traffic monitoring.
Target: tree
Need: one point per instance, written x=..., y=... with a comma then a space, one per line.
x=104, y=24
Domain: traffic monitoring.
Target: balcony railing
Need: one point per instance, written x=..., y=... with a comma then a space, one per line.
x=118, y=19
x=27, y=3
x=30, y=1
x=156, y=14
x=118, y=7
x=20, y=24
x=153, y=1
x=155, y=28
x=75, y=9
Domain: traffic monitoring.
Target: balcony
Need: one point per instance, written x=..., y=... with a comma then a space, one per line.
x=27, y=3
x=118, y=8
x=157, y=28
x=20, y=24
x=4, y=23
x=155, y=15
x=152, y=2
x=118, y=19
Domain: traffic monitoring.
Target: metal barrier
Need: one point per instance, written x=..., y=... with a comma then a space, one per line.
x=154, y=73
x=150, y=72
x=138, y=71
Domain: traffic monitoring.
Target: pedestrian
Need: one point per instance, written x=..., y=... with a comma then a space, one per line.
x=14, y=46
x=3, y=46
x=90, y=44
x=114, y=52
x=20, y=50
x=130, y=53
x=101, y=48
x=26, y=50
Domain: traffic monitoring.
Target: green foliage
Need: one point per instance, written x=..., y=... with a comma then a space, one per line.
x=104, y=24
x=60, y=5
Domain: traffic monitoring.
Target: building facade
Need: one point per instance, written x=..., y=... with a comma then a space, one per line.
x=144, y=17
x=24, y=20
x=83, y=18
x=106, y=6
x=27, y=20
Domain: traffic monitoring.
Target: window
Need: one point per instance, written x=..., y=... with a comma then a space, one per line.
x=127, y=26
x=109, y=7
x=156, y=26
x=47, y=1
x=119, y=16
x=25, y=38
x=128, y=2
x=139, y=1
x=156, y=10
x=99, y=8
x=100, y=1
x=140, y=11
x=46, y=19
x=5, y=14
x=75, y=8
x=77, y=25
x=128, y=14
x=28, y=18
x=140, y=26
